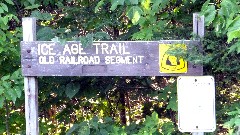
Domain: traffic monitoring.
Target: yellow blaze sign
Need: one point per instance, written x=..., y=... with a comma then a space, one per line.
x=169, y=63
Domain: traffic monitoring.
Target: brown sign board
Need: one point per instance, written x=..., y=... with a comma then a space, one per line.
x=105, y=58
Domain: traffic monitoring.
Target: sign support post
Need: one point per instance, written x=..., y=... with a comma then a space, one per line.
x=30, y=83
x=198, y=30
x=198, y=133
x=198, y=25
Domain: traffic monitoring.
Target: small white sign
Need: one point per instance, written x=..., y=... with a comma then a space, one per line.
x=196, y=104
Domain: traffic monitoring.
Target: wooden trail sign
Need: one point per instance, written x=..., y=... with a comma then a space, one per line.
x=106, y=58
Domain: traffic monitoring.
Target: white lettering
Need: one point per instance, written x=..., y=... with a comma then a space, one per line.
x=39, y=49
x=66, y=50
x=140, y=58
x=74, y=48
x=50, y=48
x=108, y=59
x=124, y=49
x=46, y=60
x=67, y=60
x=79, y=60
x=97, y=59
x=81, y=49
x=123, y=59
x=91, y=60
x=45, y=49
x=113, y=48
x=96, y=44
x=104, y=48
x=42, y=60
x=127, y=59
x=61, y=60
x=134, y=60
x=42, y=49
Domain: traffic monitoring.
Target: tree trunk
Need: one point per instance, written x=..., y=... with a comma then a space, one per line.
x=122, y=107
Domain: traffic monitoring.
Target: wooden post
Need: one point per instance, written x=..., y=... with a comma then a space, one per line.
x=30, y=83
x=198, y=25
x=198, y=30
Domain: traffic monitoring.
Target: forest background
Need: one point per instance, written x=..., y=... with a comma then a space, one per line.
x=118, y=105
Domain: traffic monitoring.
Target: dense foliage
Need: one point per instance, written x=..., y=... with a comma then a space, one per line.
x=118, y=105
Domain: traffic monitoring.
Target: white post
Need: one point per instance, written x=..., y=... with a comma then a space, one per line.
x=30, y=83
x=198, y=133
x=198, y=25
x=198, y=30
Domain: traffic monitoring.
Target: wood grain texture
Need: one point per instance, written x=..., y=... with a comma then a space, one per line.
x=30, y=83
x=149, y=66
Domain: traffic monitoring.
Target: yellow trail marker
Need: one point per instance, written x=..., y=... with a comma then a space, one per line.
x=169, y=63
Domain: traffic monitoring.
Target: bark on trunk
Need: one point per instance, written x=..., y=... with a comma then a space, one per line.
x=123, y=107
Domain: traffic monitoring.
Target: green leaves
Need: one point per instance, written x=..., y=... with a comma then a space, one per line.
x=234, y=121
x=156, y=5
x=147, y=14
x=134, y=2
x=233, y=29
x=73, y=129
x=115, y=3
x=193, y=1
x=134, y=13
x=2, y=38
x=234, y=47
x=84, y=128
x=144, y=34
x=226, y=21
x=228, y=7
x=169, y=93
x=4, y=7
x=209, y=12
x=233, y=34
x=60, y=40
x=100, y=3
x=72, y=89
x=32, y=6
x=2, y=98
x=11, y=86
x=172, y=104
x=9, y=2
x=45, y=34
x=31, y=1
x=5, y=20
x=41, y=16
x=98, y=36
x=85, y=40
x=150, y=126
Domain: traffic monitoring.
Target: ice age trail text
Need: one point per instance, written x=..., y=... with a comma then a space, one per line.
x=75, y=54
